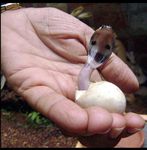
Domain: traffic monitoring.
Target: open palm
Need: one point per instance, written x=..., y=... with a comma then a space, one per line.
x=42, y=56
x=43, y=51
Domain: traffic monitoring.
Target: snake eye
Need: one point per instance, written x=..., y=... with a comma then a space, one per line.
x=107, y=46
x=93, y=42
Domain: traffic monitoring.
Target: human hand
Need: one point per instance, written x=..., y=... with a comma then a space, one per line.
x=43, y=50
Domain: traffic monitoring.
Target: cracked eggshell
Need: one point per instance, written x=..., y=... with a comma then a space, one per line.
x=104, y=94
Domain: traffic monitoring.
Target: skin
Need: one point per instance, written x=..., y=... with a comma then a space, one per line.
x=42, y=53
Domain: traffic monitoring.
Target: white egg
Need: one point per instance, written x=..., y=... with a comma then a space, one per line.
x=104, y=94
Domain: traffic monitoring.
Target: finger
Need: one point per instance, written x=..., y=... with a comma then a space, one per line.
x=99, y=124
x=107, y=138
x=99, y=120
x=134, y=123
x=64, y=112
x=117, y=72
x=118, y=125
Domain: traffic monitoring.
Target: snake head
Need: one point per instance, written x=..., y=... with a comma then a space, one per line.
x=101, y=46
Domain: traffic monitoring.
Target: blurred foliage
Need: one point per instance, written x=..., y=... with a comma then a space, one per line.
x=78, y=13
x=62, y=6
x=36, y=118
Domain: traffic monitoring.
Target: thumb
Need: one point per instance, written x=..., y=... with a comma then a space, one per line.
x=62, y=111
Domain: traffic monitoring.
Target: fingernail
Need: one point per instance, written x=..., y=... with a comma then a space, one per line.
x=115, y=132
x=134, y=130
